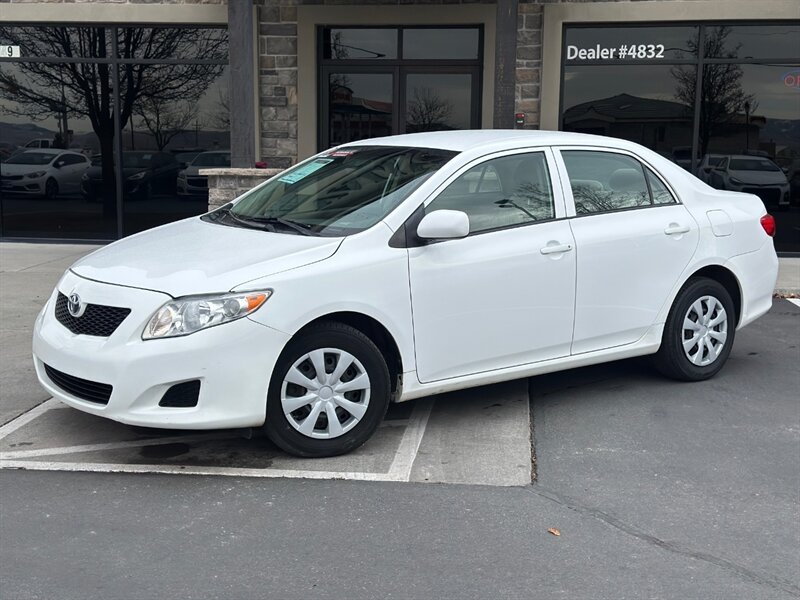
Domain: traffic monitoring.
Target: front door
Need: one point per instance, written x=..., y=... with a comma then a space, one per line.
x=504, y=295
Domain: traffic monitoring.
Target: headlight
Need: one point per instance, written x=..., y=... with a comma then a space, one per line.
x=36, y=174
x=187, y=315
x=137, y=176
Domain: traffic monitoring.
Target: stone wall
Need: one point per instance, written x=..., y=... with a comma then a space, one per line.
x=226, y=184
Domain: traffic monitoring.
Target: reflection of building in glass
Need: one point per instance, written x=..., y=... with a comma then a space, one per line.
x=354, y=118
x=664, y=126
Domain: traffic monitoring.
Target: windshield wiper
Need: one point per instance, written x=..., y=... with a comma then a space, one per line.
x=300, y=228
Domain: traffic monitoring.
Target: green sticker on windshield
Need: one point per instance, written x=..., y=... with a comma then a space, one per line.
x=304, y=171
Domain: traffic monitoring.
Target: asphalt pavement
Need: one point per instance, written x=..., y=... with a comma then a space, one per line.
x=658, y=490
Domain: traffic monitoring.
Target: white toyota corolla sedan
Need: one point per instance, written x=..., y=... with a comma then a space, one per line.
x=394, y=268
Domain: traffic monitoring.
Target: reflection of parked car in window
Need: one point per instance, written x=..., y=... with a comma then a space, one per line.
x=190, y=182
x=707, y=165
x=752, y=175
x=144, y=174
x=185, y=158
x=47, y=172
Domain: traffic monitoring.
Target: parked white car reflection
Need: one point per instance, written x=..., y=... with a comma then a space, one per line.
x=47, y=172
x=394, y=268
x=754, y=175
x=190, y=182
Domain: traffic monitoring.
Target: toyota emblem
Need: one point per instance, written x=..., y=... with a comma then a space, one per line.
x=74, y=305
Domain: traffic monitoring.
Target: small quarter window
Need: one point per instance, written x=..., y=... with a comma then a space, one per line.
x=661, y=195
x=501, y=192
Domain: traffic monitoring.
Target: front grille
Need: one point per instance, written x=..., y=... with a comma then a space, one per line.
x=197, y=181
x=10, y=177
x=91, y=391
x=97, y=320
x=766, y=194
x=181, y=395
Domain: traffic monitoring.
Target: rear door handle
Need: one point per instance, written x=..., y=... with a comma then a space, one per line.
x=675, y=229
x=556, y=248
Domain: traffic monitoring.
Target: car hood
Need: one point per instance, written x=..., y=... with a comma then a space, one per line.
x=759, y=177
x=96, y=172
x=196, y=257
x=12, y=169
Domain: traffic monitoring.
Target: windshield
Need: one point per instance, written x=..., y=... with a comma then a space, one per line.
x=212, y=159
x=31, y=158
x=343, y=191
x=753, y=164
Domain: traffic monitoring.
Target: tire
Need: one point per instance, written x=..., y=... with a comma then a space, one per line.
x=291, y=429
x=51, y=189
x=701, y=300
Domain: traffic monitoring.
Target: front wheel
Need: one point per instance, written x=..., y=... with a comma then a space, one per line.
x=699, y=332
x=329, y=392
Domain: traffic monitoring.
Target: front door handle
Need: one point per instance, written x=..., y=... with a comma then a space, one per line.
x=556, y=248
x=675, y=229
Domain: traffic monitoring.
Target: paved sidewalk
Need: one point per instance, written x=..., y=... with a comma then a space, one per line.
x=788, y=277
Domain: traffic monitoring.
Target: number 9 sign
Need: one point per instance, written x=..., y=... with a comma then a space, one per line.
x=9, y=51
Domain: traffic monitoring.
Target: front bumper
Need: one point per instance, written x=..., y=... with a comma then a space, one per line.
x=25, y=186
x=232, y=361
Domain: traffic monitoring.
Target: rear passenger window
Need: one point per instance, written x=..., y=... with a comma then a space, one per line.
x=604, y=181
x=501, y=192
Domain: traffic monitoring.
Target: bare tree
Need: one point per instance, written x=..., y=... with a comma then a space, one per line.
x=163, y=119
x=221, y=117
x=38, y=90
x=721, y=93
x=427, y=111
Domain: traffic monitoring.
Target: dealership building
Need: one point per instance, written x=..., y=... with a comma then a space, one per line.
x=111, y=112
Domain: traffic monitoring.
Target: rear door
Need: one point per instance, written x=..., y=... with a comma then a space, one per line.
x=633, y=240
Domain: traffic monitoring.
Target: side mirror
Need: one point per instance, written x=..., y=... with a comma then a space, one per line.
x=59, y=164
x=443, y=225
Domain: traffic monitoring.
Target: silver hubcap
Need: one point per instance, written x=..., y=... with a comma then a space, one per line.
x=325, y=393
x=705, y=329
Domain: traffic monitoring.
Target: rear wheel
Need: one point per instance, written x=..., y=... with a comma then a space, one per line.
x=328, y=393
x=699, y=332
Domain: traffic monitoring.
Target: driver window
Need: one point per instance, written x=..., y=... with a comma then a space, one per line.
x=502, y=192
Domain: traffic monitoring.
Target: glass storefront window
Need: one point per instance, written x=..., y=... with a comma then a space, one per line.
x=437, y=102
x=445, y=44
x=647, y=104
x=173, y=43
x=584, y=44
x=362, y=97
x=60, y=42
x=370, y=44
x=753, y=41
x=747, y=106
x=169, y=113
x=360, y=106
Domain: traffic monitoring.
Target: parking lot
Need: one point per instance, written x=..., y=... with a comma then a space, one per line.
x=658, y=488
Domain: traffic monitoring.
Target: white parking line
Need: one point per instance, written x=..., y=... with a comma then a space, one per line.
x=795, y=301
x=27, y=417
x=400, y=469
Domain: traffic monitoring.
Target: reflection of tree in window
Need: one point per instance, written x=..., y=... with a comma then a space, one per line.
x=85, y=89
x=427, y=111
x=164, y=119
x=721, y=95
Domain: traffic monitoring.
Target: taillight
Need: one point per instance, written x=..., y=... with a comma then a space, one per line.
x=768, y=223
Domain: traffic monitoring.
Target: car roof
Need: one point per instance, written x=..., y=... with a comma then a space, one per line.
x=462, y=140
x=749, y=156
x=46, y=150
